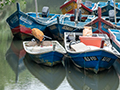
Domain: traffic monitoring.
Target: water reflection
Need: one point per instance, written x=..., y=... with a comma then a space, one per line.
x=55, y=77
x=51, y=77
x=117, y=66
x=14, y=57
x=80, y=79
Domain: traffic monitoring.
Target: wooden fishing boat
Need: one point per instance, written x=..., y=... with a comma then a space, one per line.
x=80, y=79
x=115, y=38
x=51, y=77
x=93, y=52
x=67, y=23
x=106, y=7
x=21, y=23
x=48, y=52
x=70, y=6
x=102, y=24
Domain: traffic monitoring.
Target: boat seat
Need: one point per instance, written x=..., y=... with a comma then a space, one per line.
x=80, y=47
x=91, y=41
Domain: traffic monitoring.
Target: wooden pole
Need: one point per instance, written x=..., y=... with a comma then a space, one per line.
x=36, y=8
x=99, y=17
x=115, y=12
x=78, y=6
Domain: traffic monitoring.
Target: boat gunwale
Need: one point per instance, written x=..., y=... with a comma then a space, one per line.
x=36, y=53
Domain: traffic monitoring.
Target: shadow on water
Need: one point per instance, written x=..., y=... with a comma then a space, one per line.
x=80, y=79
x=51, y=77
x=117, y=66
x=14, y=57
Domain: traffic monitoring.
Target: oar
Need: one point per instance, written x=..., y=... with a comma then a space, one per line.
x=47, y=37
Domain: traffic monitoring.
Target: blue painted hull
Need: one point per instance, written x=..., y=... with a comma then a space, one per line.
x=106, y=6
x=94, y=60
x=116, y=46
x=104, y=28
x=49, y=59
x=114, y=36
x=102, y=24
x=58, y=30
x=20, y=18
x=64, y=24
x=21, y=23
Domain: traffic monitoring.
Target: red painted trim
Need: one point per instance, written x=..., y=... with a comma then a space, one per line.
x=99, y=18
x=107, y=22
x=67, y=3
x=84, y=18
x=99, y=25
x=21, y=29
x=98, y=31
x=99, y=12
x=15, y=30
x=25, y=30
x=88, y=9
x=92, y=22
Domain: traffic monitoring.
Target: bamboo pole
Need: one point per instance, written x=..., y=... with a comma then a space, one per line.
x=36, y=8
x=115, y=12
x=78, y=6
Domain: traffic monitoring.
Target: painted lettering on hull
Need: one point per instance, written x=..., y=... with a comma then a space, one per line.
x=67, y=28
x=106, y=59
x=26, y=20
x=53, y=27
x=68, y=8
x=14, y=19
x=92, y=58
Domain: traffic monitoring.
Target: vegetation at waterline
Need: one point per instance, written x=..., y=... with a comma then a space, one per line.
x=8, y=2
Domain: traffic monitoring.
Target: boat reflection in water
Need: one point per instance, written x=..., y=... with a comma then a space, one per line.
x=117, y=66
x=14, y=57
x=80, y=79
x=51, y=77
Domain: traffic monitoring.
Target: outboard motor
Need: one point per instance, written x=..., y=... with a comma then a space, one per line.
x=79, y=14
x=111, y=15
x=88, y=3
x=45, y=11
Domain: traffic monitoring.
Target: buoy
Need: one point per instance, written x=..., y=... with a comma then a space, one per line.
x=38, y=34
